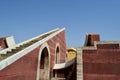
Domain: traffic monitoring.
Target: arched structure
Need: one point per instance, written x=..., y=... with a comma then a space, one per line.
x=37, y=56
x=57, y=58
x=57, y=53
x=43, y=71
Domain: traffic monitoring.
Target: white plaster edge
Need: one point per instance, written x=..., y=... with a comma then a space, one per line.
x=99, y=42
x=39, y=58
x=10, y=41
x=64, y=65
x=17, y=45
x=106, y=42
x=38, y=36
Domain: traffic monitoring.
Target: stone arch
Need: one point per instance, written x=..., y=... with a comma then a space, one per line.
x=57, y=53
x=57, y=58
x=43, y=70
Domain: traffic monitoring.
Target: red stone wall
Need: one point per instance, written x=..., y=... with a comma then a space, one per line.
x=102, y=63
x=26, y=67
x=90, y=38
x=3, y=43
x=60, y=38
x=23, y=69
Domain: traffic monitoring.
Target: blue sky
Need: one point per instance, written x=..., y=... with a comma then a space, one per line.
x=25, y=19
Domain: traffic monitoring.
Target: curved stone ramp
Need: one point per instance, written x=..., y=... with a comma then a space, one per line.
x=63, y=66
x=10, y=55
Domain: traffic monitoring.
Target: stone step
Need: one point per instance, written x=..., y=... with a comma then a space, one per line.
x=17, y=49
x=3, y=56
x=24, y=45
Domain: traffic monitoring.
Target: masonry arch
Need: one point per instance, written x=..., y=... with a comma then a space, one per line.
x=57, y=53
x=43, y=70
x=57, y=58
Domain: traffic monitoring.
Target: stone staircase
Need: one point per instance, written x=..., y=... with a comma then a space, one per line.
x=22, y=46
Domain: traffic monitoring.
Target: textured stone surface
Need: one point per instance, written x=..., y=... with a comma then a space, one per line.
x=102, y=63
x=79, y=64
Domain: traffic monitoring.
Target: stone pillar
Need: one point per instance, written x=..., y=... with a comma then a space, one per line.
x=79, y=64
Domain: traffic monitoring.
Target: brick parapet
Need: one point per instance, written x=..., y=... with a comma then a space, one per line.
x=100, y=60
x=3, y=43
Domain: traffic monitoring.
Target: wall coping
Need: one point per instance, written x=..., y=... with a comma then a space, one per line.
x=99, y=42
